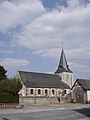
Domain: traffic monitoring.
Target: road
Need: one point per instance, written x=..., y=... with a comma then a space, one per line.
x=51, y=112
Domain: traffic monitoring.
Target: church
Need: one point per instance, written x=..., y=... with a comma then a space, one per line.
x=43, y=87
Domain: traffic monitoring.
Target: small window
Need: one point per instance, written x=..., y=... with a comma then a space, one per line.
x=53, y=91
x=31, y=91
x=46, y=92
x=64, y=91
x=39, y=91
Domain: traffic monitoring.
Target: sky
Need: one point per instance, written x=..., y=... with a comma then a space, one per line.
x=32, y=33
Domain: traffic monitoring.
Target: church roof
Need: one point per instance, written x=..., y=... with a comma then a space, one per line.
x=42, y=80
x=63, y=66
x=83, y=82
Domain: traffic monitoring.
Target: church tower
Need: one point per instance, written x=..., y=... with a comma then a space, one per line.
x=63, y=70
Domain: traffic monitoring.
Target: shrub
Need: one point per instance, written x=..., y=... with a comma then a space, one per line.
x=9, y=98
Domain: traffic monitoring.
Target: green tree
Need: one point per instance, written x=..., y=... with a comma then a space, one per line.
x=11, y=86
x=15, y=86
x=2, y=73
x=4, y=84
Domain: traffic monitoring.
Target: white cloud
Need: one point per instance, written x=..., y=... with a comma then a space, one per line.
x=73, y=3
x=5, y=48
x=54, y=53
x=43, y=32
x=19, y=12
x=14, y=63
x=49, y=30
x=70, y=53
x=80, y=70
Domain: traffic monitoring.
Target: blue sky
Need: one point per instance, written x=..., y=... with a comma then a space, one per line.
x=32, y=32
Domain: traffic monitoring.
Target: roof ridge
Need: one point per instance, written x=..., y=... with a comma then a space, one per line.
x=38, y=73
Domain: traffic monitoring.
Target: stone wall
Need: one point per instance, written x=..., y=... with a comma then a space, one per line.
x=39, y=100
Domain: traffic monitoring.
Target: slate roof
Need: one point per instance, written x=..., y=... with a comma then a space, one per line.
x=63, y=66
x=41, y=80
x=83, y=82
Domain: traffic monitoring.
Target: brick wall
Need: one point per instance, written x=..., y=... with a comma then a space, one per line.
x=8, y=105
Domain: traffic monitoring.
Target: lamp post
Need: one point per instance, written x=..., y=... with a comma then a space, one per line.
x=35, y=96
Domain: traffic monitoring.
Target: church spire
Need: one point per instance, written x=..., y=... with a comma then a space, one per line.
x=63, y=66
x=63, y=61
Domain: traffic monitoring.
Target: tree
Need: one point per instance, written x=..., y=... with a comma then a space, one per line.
x=15, y=86
x=4, y=84
x=11, y=86
x=2, y=73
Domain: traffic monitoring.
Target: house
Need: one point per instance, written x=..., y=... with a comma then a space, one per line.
x=42, y=87
x=81, y=91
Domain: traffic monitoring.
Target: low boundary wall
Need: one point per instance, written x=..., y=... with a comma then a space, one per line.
x=39, y=100
x=8, y=105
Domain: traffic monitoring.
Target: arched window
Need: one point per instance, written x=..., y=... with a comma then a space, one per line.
x=39, y=91
x=64, y=91
x=53, y=91
x=31, y=91
x=46, y=91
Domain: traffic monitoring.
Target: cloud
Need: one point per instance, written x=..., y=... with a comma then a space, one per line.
x=14, y=63
x=49, y=30
x=83, y=70
x=18, y=13
x=5, y=48
x=73, y=3
x=70, y=25
x=79, y=53
x=46, y=30
x=70, y=53
x=42, y=32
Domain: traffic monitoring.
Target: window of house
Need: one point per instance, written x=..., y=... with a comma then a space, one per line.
x=53, y=91
x=64, y=91
x=39, y=91
x=31, y=91
x=46, y=91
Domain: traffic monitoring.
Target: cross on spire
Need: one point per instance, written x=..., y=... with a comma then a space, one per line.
x=62, y=45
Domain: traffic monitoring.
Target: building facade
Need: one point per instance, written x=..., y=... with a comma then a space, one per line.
x=41, y=87
x=44, y=86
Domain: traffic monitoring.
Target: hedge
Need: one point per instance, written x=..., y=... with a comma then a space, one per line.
x=9, y=98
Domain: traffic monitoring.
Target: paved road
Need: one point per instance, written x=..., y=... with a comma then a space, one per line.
x=53, y=112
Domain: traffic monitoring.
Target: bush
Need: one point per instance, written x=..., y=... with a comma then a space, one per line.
x=9, y=98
